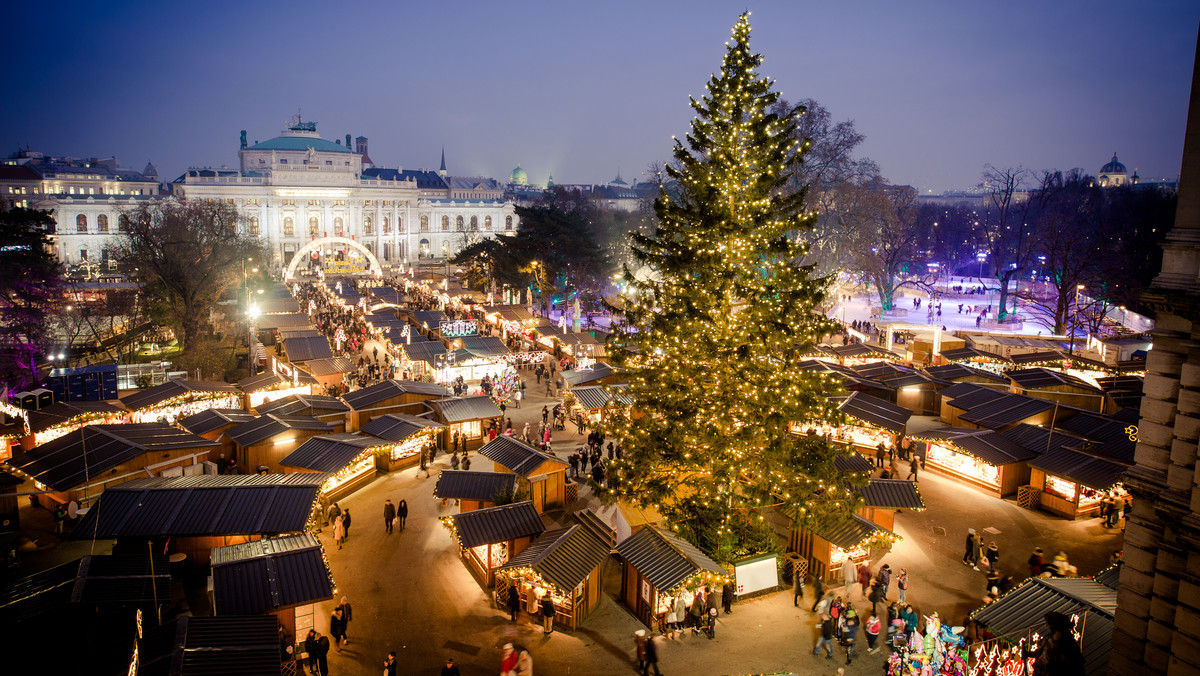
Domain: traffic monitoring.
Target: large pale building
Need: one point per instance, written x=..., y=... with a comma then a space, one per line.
x=298, y=187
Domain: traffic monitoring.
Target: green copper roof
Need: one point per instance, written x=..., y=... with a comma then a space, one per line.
x=301, y=143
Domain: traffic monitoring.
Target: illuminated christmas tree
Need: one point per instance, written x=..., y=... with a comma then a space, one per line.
x=720, y=314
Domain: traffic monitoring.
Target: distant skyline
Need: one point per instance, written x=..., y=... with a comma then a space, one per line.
x=940, y=89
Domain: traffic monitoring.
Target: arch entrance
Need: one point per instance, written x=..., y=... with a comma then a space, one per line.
x=336, y=255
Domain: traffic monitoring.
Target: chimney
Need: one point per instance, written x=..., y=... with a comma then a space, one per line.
x=348, y=141
x=243, y=139
x=360, y=145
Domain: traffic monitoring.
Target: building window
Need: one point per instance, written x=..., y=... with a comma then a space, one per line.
x=229, y=200
x=508, y=223
x=458, y=223
x=314, y=226
x=283, y=161
x=339, y=203
x=122, y=223
x=81, y=223
x=254, y=225
x=371, y=248
x=487, y=222
x=83, y=255
x=424, y=223
x=424, y=248
x=102, y=223
x=314, y=203
x=445, y=223
x=387, y=251
x=368, y=226
x=399, y=224
x=474, y=223
x=368, y=203
x=289, y=228
x=329, y=163
x=252, y=200
x=387, y=225
x=288, y=203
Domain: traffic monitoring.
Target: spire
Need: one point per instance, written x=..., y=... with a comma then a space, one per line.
x=442, y=169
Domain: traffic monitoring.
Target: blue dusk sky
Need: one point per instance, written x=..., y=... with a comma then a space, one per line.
x=582, y=90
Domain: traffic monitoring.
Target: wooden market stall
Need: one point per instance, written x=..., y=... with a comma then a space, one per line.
x=599, y=373
x=259, y=444
x=421, y=356
x=882, y=498
x=1056, y=386
x=981, y=458
x=979, y=406
x=870, y=421
x=911, y=389
x=83, y=464
x=565, y=563
x=468, y=416
x=329, y=372
x=543, y=476
x=390, y=396
x=62, y=417
x=1074, y=483
x=488, y=538
x=657, y=567
x=595, y=402
x=475, y=490
x=408, y=435
x=300, y=349
x=330, y=410
x=347, y=461
x=964, y=373
x=268, y=386
x=827, y=546
x=176, y=399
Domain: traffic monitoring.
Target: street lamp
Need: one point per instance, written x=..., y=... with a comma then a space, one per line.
x=981, y=257
x=1075, y=324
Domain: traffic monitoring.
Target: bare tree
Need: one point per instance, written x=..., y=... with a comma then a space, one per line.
x=885, y=239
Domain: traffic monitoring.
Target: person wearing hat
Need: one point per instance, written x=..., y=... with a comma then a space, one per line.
x=639, y=649
x=450, y=669
x=508, y=663
x=850, y=631
x=525, y=664
x=712, y=623
x=1035, y=562
x=971, y=557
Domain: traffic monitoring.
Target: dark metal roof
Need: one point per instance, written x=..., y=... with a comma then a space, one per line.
x=62, y=411
x=863, y=351
x=331, y=452
x=176, y=388
x=1080, y=467
x=497, y=524
x=1008, y=410
x=269, y=574
x=264, y=427
x=665, y=560
x=305, y=332
x=876, y=411
x=203, y=505
x=212, y=419
x=1110, y=577
x=1025, y=608
x=32, y=596
x=848, y=532
x=990, y=447
x=969, y=395
x=465, y=485
x=599, y=527
x=969, y=353
x=954, y=371
x=424, y=350
x=122, y=580
x=1112, y=434
x=599, y=371
x=274, y=306
x=262, y=381
x=591, y=397
x=484, y=346
x=212, y=646
x=69, y=460
x=1039, y=439
x=1036, y=378
x=430, y=318
x=854, y=462
x=517, y=456
x=304, y=404
x=396, y=427
x=280, y=321
x=892, y=493
x=1041, y=356
x=563, y=557
x=852, y=380
x=325, y=367
x=307, y=348
x=389, y=389
x=459, y=409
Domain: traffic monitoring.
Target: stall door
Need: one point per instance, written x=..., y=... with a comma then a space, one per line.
x=537, y=491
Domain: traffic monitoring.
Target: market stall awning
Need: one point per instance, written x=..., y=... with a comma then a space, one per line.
x=88, y=452
x=863, y=351
x=390, y=389
x=269, y=574
x=297, y=320
x=892, y=494
x=64, y=411
x=962, y=354
x=484, y=347
x=214, y=419
x=1039, y=439
x=457, y=484
x=301, y=349
x=1113, y=435
x=174, y=389
x=849, y=532
x=1023, y=609
x=1038, y=378
x=461, y=409
x=331, y=452
x=876, y=412
x=854, y=462
x=203, y=505
x=563, y=557
x=211, y=646
x=423, y=350
x=991, y=447
x=266, y=426
x=953, y=372
x=329, y=367
x=497, y=524
x=665, y=560
x=517, y=456
x=591, y=397
x=1082, y=468
x=396, y=427
x=599, y=371
x=304, y=404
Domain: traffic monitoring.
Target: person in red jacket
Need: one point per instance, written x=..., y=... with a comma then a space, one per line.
x=864, y=577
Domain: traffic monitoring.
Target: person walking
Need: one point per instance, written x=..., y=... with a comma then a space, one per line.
x=651, y=657
x=424, y=464
x=332, y=513
x=913, y=465
x=828, y=630
x=727, y=592
x=337, y=628
x=885, y=579
x=450, y=669
x=318, y=654
x=797, y=586
x=902, y=585
x=818, y=591
x=970, y=557
x=60, y=516
x=389, y=516
x=339, y=531
x=389, y=664
x=850, y=631
x=466, y=462
x=547, y=615
x=639, y=649
x=347, y=615
x=508, y=661
x=864, y=578
x=346, y=523
x=681, y=615
x=849, y=575
x=872, y=628
x=545, y=415
x=514, y=601
x=712, y=623
x=1035, y=562
x=696, y=611
x=993, y=555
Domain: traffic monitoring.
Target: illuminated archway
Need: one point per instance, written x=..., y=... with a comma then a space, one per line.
x=373, y=267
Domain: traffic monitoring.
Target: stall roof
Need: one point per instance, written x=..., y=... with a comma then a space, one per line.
x=991, y=447
x=307, y=348
x=1080, y=467
x=460, y=484
x=214, y=419
x=295, y=404
x=958, y=370
x=459, y=409
x=389, y=389
x=591, y=397
x=1024, y=608
x=1008, y=410
x=275, y=306
x=484, y=347
x=396, y=427
x=262, y=381
x=1039, y=356
x=510, y=312
x=212, y=646
x=330, y=453
x=68, y=461
x=330, y=366
x=430, y=318
x=1038, y=377
x=269, y=574
x=266, y=426
x=863, y=351
x=1110, y=577
x=305, y=332
x=1112, y=434
x=61, y=411
x=849, y=532
x=664, y=559
x=424, y=350
x=297, y=320
x=497, y=524
x=854, y=462
x=1039, y=439
x=599, y=527
x=122, y=580
x=876, y=411
x=517, y=456
x=203, y=505
x=35, y=595
x=892, y=494
x=969, y=353
x=599, y=371
x=853, y=380
x=175, y=388
x=1123, y=390
x=969, y=395
x=563, y=557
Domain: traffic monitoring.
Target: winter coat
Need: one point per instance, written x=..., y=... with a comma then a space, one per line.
x=885, y=577
x=864, y=575
x=389, y=511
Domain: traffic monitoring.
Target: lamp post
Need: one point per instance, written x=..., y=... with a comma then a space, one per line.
x=445, y=260
x=1075, y=324
x=981, y=257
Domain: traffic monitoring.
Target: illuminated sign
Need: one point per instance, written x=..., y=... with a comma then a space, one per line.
x=452, y=329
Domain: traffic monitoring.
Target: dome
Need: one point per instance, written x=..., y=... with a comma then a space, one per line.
x=1113, y=167
x=519, y=176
